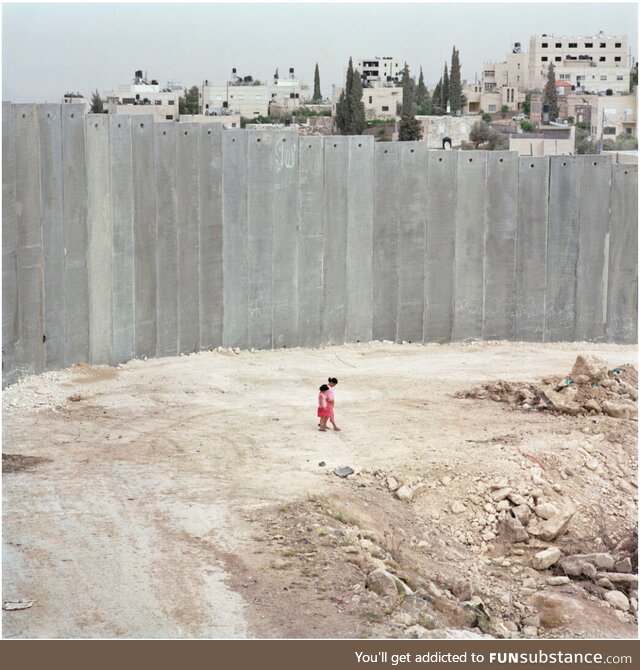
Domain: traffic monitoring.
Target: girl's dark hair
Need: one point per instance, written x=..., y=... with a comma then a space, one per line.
x=333, y=380
x=324, y=387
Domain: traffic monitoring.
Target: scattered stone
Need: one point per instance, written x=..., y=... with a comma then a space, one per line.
x=503, y=505
x=462, y=589
x=590, y=366
x=446, y=480
x=556, y=525
x=558, y=580
x=529, y=583
x=593, y=406
x=604, y=583
x=392, y=484
x=457, y=507
x=279, y=564
x=545, y=510
x=383, y=583
x=592, y=464
x=404, y=493
x=618, y=600
x=344, y=472
x=522, y=513
x=620, y=578
x=556, y=610
x=500, y=494
x=530, y=631
x=623, y=565
x=500, y=484
x=600, y=560
x=11, y=605
x=322, y=464
x=517, y=499
x=545, y=559
x=577, y=566
x=615, y=410
x=511, y=530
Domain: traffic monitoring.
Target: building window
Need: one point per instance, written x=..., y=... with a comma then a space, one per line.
x=588, y=45
x=385, y=108
x=603, y=59
x=370, y=99
x=617, y=59
x=169, y=117
x=558, y=45
x=492, y=108
x=558, y=59
x=620, y=77
x=618, y=45
x=544, y=45
x=573, y=45
x=565, y=77
x=628, y=130
x=609, y=130
x=170, y=102
x=544, y=59
x=603, y=77
x=603, y=45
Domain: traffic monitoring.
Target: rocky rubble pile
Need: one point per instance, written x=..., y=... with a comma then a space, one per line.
x=591, y=388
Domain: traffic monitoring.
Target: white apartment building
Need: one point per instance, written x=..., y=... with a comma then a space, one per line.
x=591, y=64
x=76, y=99
x=250, y=98
x=491, y=101
x=143, y=97
x=385, y=71
x=512, y=72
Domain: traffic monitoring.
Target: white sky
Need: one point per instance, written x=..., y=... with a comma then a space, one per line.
x=51, y=48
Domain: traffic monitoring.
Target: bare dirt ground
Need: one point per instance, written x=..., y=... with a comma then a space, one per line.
x=194, y=497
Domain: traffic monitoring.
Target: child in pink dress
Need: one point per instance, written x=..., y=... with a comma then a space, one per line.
x=324, y=411
x=331, y=402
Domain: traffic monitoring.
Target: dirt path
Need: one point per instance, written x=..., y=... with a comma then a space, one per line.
x=148, y=513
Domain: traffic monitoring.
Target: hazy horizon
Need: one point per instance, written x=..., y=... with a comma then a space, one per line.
x=50, y=49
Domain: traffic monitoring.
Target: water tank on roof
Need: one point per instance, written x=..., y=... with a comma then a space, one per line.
x=516, y=48
x=139, y=74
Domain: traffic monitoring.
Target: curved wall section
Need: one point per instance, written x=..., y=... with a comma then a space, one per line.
x=124, y=238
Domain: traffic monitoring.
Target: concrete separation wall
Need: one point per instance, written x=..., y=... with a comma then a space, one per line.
x=126, y=238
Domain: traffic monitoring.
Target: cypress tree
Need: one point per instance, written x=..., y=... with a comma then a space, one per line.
x=437, y=94
x=550, y=95
x=455, y=84
x=410, y=127
x=343, y=108
x=444, y=92
x=317, y=95
x=356, y=106
x=422, y=96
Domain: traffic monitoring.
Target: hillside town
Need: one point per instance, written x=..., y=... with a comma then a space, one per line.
x=563, y=95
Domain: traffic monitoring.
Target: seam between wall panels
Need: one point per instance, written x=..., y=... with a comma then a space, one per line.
x=455, y=240
x=577, y=260
x=546, y=251
x=484, y=246
x=398, y=257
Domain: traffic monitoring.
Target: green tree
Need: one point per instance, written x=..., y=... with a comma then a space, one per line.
x=550, y=95
x=633, y=78
x=344, y=107
x=423, y=101
x=410, y=128
x=444, y=92
x=455, y=83
x=435, y=98
x=96, y=103
x=526, y=105
x=503, y=111
x=317, y=95
x=480, y=133
x=189, y=104
x=356, y=106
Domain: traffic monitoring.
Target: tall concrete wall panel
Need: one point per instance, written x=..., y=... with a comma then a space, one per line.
x=260, y=223
x=469, y=245
x=412, y=226
x=622, y=300
x=235, y=233
x=441, y=236
x=562, y=248
x=310, y=240
x=385, y=240
x=74, y=199
x=210, y=200
x=30, y=350
x=126, y=238
x=99, y=240
x=9, y=248
x=188, y=239
x=167, y=286
x=360, y=239
x=144, y=235
x=531, y=247
x=285, y=245
x=54, y=299
x=336, y=222
x=593, y=249
x=122, y=264
x=500, y=252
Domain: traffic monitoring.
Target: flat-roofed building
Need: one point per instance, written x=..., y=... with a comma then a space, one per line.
x=144, y=97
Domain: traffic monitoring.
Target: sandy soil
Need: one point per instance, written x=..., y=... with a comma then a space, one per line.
x=184, y=497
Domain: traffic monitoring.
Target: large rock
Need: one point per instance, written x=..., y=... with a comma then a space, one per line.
x=500, y=494
x=511, y=530
x=551, y=528
x=522, y=513
x=618, y=600
x=404, y=493
x=383, y=583
x=544, y=559
x=545, y=510
x=591, y=366
x=601, y=561
x=577, y=567
x=562, y=403
x=614, y=409
x=556, y=610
